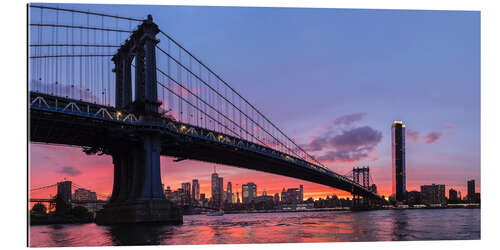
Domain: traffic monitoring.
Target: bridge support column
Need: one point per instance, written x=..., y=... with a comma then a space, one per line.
x=137, y=190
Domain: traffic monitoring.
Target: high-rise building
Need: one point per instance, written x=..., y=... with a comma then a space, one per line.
x=229, y=192
x=452, y=195
x=433, y=194
x=283, y=196
x=301, y=194
x=222, y=195
x=292, y=196
x=249, y=192
x=471, y=189
x=264, y=193
x=195, y=192
x=217, y=190
x=64, y=191
x=186, y=188
x=398, y=161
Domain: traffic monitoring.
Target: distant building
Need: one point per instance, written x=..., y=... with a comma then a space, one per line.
x=433, y=194
x=413, y=198
x=398, y=161
x=471, y=190
x=186, y=188
x=248, y=192
x=195, y=191
x=168, y=193
x=82, y=194
x=276, y=198
x=452, y=195
x=374, y=188
x=229, y=192
x=217, y=190
x=64, y=191
x=301, y=194
x=292, y=196
x=222, y=195
x=283, y=196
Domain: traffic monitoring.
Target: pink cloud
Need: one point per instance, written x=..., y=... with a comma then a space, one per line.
x=432, y=137
x=412, y=135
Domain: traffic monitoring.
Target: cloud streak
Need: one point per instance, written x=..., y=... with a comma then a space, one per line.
x=432, y=137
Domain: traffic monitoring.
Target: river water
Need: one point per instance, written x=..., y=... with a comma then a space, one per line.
x=379, y=225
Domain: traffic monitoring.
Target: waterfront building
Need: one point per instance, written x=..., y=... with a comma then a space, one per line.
x=413, y=198
x=471, y=190
x=398, y=160
x=64, y=191
x=195, y=191
x=433, y=194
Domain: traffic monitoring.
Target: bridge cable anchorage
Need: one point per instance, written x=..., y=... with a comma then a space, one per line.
x=246, y=101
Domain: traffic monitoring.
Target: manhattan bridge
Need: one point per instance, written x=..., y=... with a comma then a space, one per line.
x=123, y=87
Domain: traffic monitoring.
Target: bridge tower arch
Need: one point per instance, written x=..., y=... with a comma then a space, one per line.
x=137, y=189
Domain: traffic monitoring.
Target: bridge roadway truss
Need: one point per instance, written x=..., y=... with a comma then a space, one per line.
x=59, y=120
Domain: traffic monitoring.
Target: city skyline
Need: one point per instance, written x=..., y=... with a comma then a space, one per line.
x=442, y=143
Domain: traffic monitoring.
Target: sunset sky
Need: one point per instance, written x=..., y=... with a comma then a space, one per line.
x=332, y=79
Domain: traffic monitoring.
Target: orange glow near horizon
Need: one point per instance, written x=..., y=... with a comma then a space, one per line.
x=96, y=174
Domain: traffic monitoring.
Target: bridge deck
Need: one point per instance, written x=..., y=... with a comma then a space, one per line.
x=65, y=121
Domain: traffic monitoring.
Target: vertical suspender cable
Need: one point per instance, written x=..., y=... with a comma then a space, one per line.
x=72, y=59
x=57, y=52
x=103, y=90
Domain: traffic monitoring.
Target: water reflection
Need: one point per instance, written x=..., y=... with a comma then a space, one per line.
x=273, y=228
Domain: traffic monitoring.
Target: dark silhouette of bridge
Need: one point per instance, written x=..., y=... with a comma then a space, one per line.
x=107, y=84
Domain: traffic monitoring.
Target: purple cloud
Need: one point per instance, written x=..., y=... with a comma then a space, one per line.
x=432, y=137
x=348, y=146
x=70, y=171
x=348, y=119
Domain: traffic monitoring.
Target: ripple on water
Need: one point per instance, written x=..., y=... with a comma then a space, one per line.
x=274, y=227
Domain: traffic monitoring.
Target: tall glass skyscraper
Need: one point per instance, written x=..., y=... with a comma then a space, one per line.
x=398, y=161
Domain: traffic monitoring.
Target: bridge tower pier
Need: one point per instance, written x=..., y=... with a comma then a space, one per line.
x=137, y=189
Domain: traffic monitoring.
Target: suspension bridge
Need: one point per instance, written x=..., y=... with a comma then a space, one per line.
x=122, y=86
